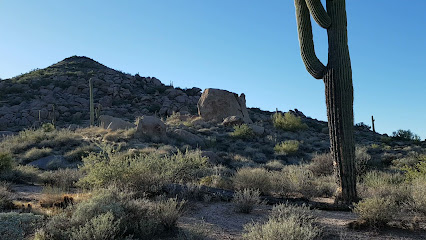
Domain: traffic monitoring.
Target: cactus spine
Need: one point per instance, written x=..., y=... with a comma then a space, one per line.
x=372, y=123
x=92, y=106
x=337, y=77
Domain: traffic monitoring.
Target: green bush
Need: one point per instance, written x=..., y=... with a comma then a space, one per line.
x=385, y=185
x=285, y=222
x=288, y=147
x=145, y=172
x=5, y=162
x=62, y=178
x=288, y=122
x=416, y=171
x=59, y=141
x=101, y=227
x=243, y=132
x=246, y=199
x=253, y=178
x=362, y=158
x=405, y=135
x=418, y=195
x=5, y=196
x=321, y=164
x=35, y=154
x=294, y=179
x=113, y=213
x=376, y=211
x=18, y=226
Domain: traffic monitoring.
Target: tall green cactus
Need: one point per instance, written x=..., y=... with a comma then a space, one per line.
x=337, y=77
x=92, y=105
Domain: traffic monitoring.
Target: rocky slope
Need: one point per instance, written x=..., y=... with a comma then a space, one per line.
x=62, y=90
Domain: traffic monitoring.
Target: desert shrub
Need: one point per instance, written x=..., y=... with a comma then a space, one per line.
x=418, y=170
x=405, y=135
x=5, y=196
x=61, y=178
x=48, y=127
x=142, y=171
x=243, y=132
x=22, y=174
x=410, y=161
x=362, y=159
x=18, y=226
x=57, y=140
x=288, y=122
x=362, y=126
x=294, y=179
x=101, y=227
x=254, y=178
x=5, y=162
x=217, y=181
x=78, y=153
x=288, y=147
x=418, y=195
x=325, y=186
x=246, y=199
x=385, y=185
x=35, y=153
x=117, y=210
x=375, y=211
x=321, y=164
x=274, y=165
x=285, y=222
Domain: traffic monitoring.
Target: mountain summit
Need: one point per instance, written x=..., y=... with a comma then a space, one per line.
x=61, y=92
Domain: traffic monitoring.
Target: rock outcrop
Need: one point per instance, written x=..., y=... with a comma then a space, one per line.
x=215, y=105
x=152, y=128
x=113, y=123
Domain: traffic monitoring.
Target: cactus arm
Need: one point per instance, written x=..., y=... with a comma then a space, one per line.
x=304, y=28
x=318, y=13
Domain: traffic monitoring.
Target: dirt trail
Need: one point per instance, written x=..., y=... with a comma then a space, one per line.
x=219, y=221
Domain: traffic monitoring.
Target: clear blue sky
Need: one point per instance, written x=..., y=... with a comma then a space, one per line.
x=239, y=45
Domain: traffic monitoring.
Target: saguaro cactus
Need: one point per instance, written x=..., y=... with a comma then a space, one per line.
x=372, y=123
x=337, y=77
x=91, y=103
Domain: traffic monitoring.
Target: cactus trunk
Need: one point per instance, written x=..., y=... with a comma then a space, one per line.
x=92, y=105
x=372, y=124
x=337, y=77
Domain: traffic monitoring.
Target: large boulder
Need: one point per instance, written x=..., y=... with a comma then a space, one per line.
x=113, y=123
x=152, y=128
x=189, y=138
x=215, y=105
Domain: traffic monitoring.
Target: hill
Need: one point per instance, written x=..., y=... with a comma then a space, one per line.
x=25, y=98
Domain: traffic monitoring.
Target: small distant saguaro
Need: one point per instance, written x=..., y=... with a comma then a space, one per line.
x=92, y=105
x=337, y=77
x=372, y=123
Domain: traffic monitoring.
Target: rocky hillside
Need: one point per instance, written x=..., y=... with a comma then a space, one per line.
x=62, y=90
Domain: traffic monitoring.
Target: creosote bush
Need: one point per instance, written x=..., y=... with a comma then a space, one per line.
x=5, y=162
x=285, y=222
x=246, y=199
x=288, y=147
x=5, y=196
x=18, y=226
x=243, y=132
x=376, y=211
x=288, y=122
x=113, y=213
x=254, y=178
x=142, y=172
